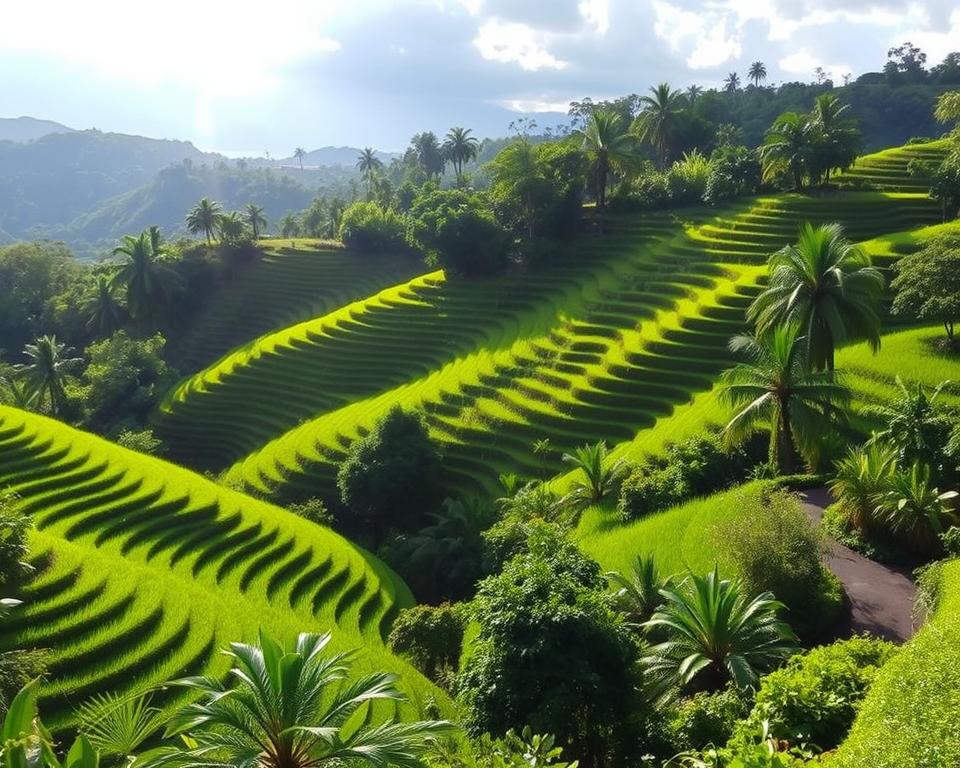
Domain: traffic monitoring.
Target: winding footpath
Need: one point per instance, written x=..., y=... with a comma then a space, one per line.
x=881, y=596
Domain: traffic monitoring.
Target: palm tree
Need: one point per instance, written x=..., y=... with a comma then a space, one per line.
x=637, y=595
x=17, y=392
x=608, y=146
x=839, y=137
x=256, y=221
x=429, y=153
x=825, y=285
x=232, y=227
x=860, y=477
x=460, y=148
x=787, y=148
x=145, y=278
x=369, y=165
x=731, y=82
x=300, y=153
x=600, y=479
x=46, y=370
x=914, y=510
x=105, y=312
x=203, y=218
x=716, y=634
x=693, y=93
x=658, y=118
x=292, y=707
x=757, y=73
x=776, y=385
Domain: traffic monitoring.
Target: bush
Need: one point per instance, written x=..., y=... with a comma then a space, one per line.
x=459, y=233
x=14, y=526
x=734, y=171
x=313, y=510
x=431, y=638
x=142, y=441
x=814, y=699
x=368, y=228
x=389, y=478
x=707, y=719
x=692, y=467
x=775, y=547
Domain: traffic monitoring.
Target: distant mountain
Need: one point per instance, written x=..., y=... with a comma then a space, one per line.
x=28, y=128
x=344, y=157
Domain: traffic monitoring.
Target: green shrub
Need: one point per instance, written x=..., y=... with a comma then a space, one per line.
x=431, y=638
x=649, y=490
x=706, y=719
x=313, y=510
x=14, y=526
x=734, y=171
x=389, y=478
x=141, y=441
x=368, y=228
x=775, y=547
x=813, y=700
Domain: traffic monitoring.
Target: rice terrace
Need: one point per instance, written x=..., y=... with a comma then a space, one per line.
x=609, y=433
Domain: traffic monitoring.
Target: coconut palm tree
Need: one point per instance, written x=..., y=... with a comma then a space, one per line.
x=775, y=385
x=146, y=280
x=914, y=510
x=839, y=139
x=788, y=147
x=203, y=218
x=637, y=594
x=693, y=93
x=599, y=480
x=716, y=634
x=369, y=165
x=757, y=73
x=105, y=312
x=300, y=153
x=657, y=121
x=255, y=220
x=731, y=82
x=46, y=370
x=429, y=153
x=291, y=707
x=232, y=227
x=825, y=285
x=460, y=148
x=608, y=146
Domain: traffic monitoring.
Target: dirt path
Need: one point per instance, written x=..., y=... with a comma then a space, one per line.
x=881, y=596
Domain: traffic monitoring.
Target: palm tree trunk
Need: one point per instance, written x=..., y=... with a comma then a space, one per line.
x=785, y=450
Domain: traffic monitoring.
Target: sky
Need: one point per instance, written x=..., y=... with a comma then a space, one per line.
x=245, y=78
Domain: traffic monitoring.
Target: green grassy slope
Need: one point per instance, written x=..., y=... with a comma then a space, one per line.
x=147, y=570
x=909, y=717
x=636, y=342
x=888, y=169
x=295, y=280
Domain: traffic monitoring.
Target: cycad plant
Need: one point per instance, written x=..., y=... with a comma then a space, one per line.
x=289, y=707
x=600, y=477
x=915, y=511
x=117, y=725
x=716, y=634
x=637, y=594
x=860, y=477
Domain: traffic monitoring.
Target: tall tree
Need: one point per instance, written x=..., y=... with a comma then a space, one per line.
x=105, y=312
x=731, y=82
x=460, y=148
x=369, y=166
x=46, y=370
x=693, y=93
x=788, y=147
x=827, y=287
x=757, y=73
x=776, y=385
x=232, y=227
x=203, y=218
x=837, y=139
x=300, y=153
x=429, y=153
x=608, y=146
x=658, y=119
x=255, y=219
x=146, y=280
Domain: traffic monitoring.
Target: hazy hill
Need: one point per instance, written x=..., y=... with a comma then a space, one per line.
x=28, y=128
x=344, y=157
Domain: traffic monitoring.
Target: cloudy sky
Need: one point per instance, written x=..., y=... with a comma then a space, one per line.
x=246, y=77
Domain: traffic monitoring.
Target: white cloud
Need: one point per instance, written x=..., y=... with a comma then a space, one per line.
x=714, y=48
x=512, y=42
x=596, y=13
x=802, y=62
x=527, y=106
x=936, y=43
x=702, y=36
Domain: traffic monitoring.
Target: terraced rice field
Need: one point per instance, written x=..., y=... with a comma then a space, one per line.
x=295, y=280
x=147, y=570
x=887, y=170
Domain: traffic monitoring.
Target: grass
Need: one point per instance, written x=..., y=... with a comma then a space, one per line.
x=147, y=570
x=622, y=334
x=296, y=279
x=888, y=169
x=909, y=717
